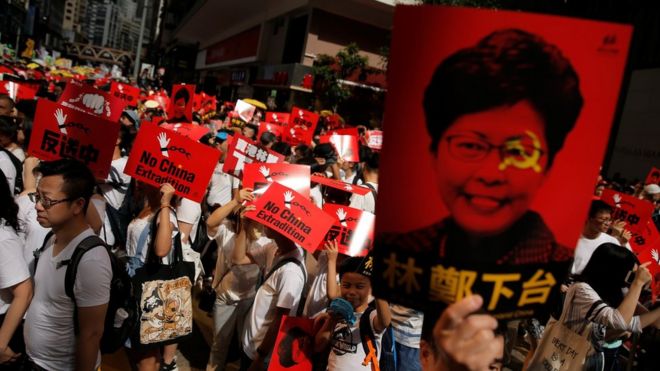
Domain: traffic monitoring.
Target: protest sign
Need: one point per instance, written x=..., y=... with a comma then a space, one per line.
x=242, y=151
x=294, y=346
x=301, y=126
x=653, y=177
x=353, y=229
x=276, y=129
x=180, y=103
x=18, y=91
x=293, y=215
x=374, y=139
x=244, y=110
x=93, y=101
x=500, y=192
x=190, y=130
x=345, y=131
x=651, y=256
x=346, y=146
x=60, y=132
x=644, y=237
x=338, y=184
x=635, y=212
x=281, y=118
x=260, y=176
x=163, y=156
x=128, y=93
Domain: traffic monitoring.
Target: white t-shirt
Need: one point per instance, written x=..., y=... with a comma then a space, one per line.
x=347, y=352
x=32, y=233
x=239, y=281
x=222, y=184
x=18, y=152
x=407, y=325
x=7, y=167
x=316, y=196
x=13, y=269
x=586, y=247
x=116, y=184
x=135, y=229
x=317, y=298
x=282, y=289
x=189, y=212
x=366, y=202
x=49, y=334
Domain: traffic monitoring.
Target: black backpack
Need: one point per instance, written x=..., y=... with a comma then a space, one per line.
x=18, y=181
x=119, y=219
x=121, y=303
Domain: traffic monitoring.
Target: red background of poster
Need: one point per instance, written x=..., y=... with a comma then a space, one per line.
x=334, y=183
x=281, y=118
x=232, y=165
x=296, y=177
x=272, y=127
x=405, y=159
x=73, y=94
x=188, y=110
x=102, y=134
x=303, y=359
x=126, y=92
x=18, y=91
x=202, y=161
x=294, y=133
x=192, y=131
x=318, y=221
x=361, y=223
x=375, y=139
x=632, y=206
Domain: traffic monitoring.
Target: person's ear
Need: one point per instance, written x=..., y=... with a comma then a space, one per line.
x=426, y=356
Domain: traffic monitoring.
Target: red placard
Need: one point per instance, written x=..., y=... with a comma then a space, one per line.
x=192, y=131
x=294, y=346
x=334, y=121
x=653, y=177
x=259, y=177
x=244, y=110
x=90, y=100
x=338, y=184
x=128, y=93
x=635, y=212
x=375, y=139
x=346, y=146
x=456, y=117
x=642, y=239
x=18, y=91
x=281, y=118
x=293, y=215
x=242, y=151
x=345, y=131
x=181, y=103
x=62, y=132
x=270, y=127
x=162, y=156
x=651, y=255
x=353, y=229
x=301, y=126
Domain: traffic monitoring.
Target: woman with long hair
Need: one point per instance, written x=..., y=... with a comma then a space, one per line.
x=15, y=280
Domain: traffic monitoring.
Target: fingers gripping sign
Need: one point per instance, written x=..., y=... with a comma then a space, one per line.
x=467, y=341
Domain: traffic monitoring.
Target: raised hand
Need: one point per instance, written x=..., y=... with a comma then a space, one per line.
x=163, y=141
x=60, y=117
x=341, y=214
x=265, y=172
x=288, y=197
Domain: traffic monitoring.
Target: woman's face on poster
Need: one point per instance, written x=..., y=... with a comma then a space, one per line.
x=489, y=166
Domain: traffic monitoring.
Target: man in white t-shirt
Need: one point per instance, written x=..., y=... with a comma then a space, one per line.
x=279, y=295
x=8, y=168
x=593, y=235
x=62, y=196
x=368, y=201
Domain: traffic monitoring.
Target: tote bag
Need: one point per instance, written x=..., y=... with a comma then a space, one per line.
x=561, y=348
x=164, y=294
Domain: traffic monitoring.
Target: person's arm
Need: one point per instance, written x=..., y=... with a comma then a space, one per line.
x=22, y=295
x=332, y=287
x=185, y=229
x=215, y=219
x=93, y=215
x=90, y=325
x=335, y=171
x=268, y=343
x=29, y=180
x=325, y=323
x=629, y=303
x=383, y=316
x=163, y=243
x=650, y=318
x=239, y=255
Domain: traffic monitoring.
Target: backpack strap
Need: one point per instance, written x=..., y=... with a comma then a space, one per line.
x=303, y=294
x=84, y=246
x=369, y=340
x=372, y=188
x=18, y=165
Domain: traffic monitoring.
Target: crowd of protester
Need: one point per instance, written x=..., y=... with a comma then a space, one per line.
x=255, y=276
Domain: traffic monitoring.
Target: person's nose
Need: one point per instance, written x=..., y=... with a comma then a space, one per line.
x=489, y=171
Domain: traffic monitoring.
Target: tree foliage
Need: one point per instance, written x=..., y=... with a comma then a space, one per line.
x=329, y=70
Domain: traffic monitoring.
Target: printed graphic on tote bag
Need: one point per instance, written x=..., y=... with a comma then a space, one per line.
x=166, y=310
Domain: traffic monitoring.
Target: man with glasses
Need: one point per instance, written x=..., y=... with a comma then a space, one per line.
x=593, y=235
x=52, y=343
